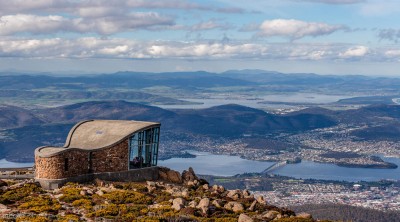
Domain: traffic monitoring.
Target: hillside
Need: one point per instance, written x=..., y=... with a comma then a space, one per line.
x=12, y=116
x=24, y=130
x=174, y=197
x=51, y=125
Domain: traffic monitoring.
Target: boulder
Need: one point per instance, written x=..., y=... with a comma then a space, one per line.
x=261, y=200
x=174, y=176
x=234, y=206
x=178, y=204
x=247, y=194
x=304, y=215
x=192, y=204
x=234, y=194
x=189, y=175
x=244, y=218
x=203, y=205
x=252, y=206
x=83, y=192
x=271, y=214
x=206, y=187
x=217, y=203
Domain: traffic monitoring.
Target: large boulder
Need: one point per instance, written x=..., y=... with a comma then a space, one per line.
x=189, y=175
x=244, y=218
x=178, y=204
x=234, y=206
x=203, y=205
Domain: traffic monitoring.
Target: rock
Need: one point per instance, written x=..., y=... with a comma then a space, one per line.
x=58, y=196
x=190, y=183
x=151, y=183
x=244, y=218
x=3, y=183
x=252, y=206
x=221, y=189
x=83, y=193
x=260, y=199
x=203, y=205
x=178, y=204
x=304, y=215
x=185, y=194
x=233, y=194
x=162, y=175
x=4, y=208
x=89, y=191
x=234, y=206
x=100, y=193
x=174, y=176
x=247, y=194
x=189, y=175
x=155, y=206
x=215, y=187
x=192, y=204
x=206, y=187
x=271, y=215
x=217, y=203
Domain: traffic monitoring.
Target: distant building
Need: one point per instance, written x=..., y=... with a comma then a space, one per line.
x=104, y=149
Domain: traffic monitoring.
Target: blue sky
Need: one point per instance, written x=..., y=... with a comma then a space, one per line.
x=99, y=36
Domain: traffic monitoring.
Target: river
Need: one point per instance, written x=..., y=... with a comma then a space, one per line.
x=224, y=165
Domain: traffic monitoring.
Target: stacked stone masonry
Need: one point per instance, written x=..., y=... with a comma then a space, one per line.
x=111, y=159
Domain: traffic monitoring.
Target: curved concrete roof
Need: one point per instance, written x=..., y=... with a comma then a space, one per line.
x=96, y=134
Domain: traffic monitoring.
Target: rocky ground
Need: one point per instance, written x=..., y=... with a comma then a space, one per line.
x=174, y=197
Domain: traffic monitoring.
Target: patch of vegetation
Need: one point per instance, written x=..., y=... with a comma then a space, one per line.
x=83, y=204
x=13, y=195
x=40, y=204
x=127, y=196
x=70, y=194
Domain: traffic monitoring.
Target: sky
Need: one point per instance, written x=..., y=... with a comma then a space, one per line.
x=296, y=36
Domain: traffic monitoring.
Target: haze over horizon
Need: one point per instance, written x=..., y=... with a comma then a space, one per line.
x=290, y=36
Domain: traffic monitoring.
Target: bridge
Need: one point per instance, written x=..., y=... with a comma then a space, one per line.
x=274, y=167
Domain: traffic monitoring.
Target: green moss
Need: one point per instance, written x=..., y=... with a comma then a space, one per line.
x=13, y=195
x=83, y=204
x=40, y=204
x=70, y=194
x=68, y=218
x=134, y=186
x=127, y=196
x=108, y=211
x=32, y=219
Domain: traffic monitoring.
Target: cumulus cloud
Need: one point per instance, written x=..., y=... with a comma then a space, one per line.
x=357, y=51
x=392, y=53
x=295, y=29
x=11, y=24
x=120, y=48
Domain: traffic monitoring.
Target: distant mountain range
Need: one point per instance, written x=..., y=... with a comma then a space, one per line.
x=24, y=129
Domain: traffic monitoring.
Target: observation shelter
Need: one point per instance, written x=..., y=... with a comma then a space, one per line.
x=113, y=150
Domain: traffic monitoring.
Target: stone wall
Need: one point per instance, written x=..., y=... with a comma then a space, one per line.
x=112, y=159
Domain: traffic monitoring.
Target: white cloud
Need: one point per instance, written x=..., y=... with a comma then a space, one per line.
x=392, y=53
x=11, y=24
x=334, y=1
x=357, y=51
x=91, y=47
x=295, y=29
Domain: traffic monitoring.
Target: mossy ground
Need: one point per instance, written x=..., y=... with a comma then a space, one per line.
x=115, y=202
